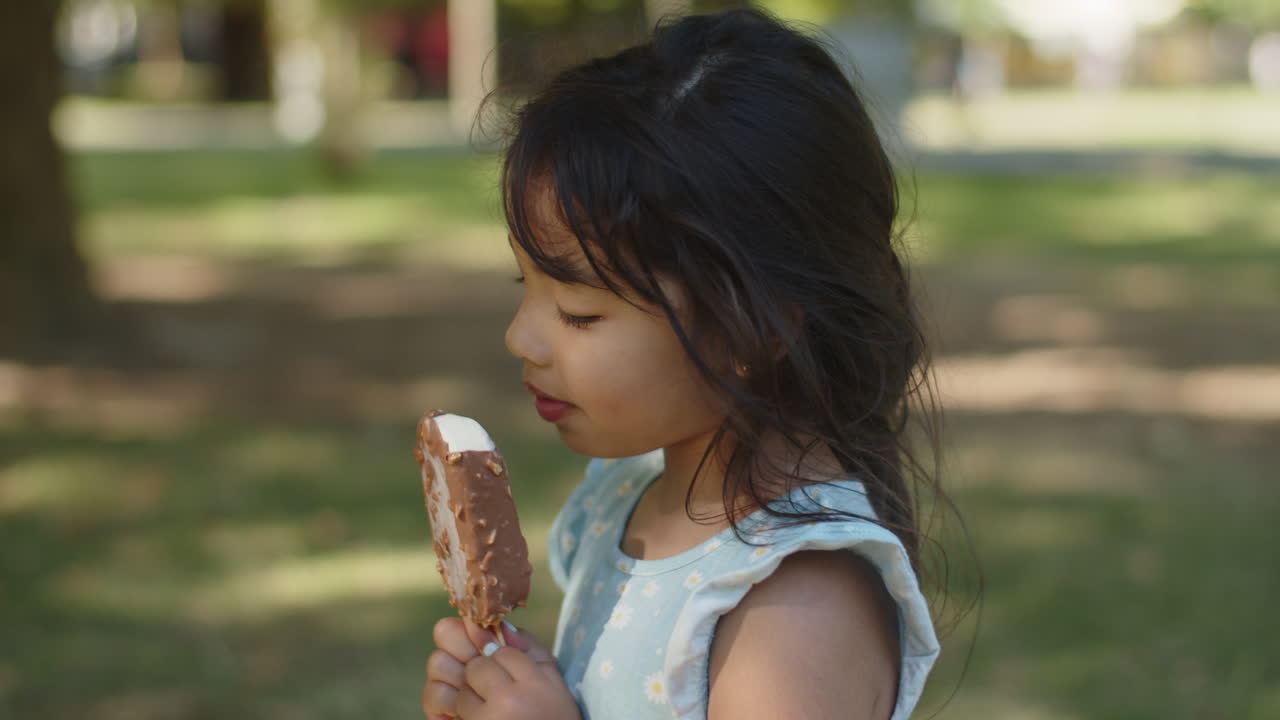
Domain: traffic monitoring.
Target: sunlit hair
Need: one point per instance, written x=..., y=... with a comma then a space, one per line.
x=730, y=155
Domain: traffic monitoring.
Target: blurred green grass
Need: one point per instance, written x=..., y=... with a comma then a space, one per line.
x=262, y=553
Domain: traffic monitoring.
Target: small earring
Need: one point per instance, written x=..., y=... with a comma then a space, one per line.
x=742, y=370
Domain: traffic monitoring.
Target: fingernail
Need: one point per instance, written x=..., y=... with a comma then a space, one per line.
x=490, y=649
x=514, y=630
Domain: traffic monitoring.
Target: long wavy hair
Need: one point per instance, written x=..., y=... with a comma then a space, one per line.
x=731, y=154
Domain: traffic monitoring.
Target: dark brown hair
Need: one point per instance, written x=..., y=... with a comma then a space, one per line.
x=732, y=155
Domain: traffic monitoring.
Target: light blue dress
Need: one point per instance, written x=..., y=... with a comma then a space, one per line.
x=634, y=636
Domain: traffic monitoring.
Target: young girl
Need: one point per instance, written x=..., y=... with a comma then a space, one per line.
x=713, y=302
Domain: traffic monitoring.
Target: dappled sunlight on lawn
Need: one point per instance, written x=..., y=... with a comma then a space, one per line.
x=1202, y=218
x=1086, y=380
x=218, y=514
x=1119, y=551
x=253, y=593
x=256, y=582
x=267, y=563
x=164, y=402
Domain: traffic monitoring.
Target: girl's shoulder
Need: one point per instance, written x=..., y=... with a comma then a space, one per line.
x=836, y=614
x=768, y=544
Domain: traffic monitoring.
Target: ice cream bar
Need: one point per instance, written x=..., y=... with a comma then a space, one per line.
x=479, y=549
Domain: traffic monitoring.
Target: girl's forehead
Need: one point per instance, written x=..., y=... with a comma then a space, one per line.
x=563, y=253
x=544, y=216
x=547, y=235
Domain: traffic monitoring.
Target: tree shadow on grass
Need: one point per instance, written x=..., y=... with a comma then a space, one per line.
x=255, y=569
x=219, y=516
x=1122, y=555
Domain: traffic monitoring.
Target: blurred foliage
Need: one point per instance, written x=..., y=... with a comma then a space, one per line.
x=986, y=14
x=1255, y=14
x=825, y=11
x=551, y=13
x=962, y=14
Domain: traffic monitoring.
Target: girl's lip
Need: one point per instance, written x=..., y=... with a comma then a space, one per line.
x=549, y=408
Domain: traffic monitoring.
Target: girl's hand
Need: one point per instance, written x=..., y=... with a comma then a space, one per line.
x=518, y=682
x=446, y=667
x=515, y=684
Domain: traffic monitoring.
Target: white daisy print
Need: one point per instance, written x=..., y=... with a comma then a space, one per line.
x=595, y=589
x=598, y=528
x=606, y=669
x=578, y=636
x=577, y=611
x=621, y=617
x=610, y=461
x=588, y=503
x=623, y=587
x=655, y=688
x=693, y=580
x=714, y=545
x=624, y=566
x=625, y=488
x=568, y=541
x=759, y=552
x=650, y=589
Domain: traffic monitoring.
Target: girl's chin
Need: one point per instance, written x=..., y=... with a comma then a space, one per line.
x=598, y=445
x=577, y=441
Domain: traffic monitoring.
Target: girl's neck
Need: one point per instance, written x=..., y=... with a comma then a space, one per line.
x=680, y=461
x=677, y=512
x=671, y=491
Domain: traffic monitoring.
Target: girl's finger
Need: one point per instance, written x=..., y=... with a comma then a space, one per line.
x=523, y=640
x=517, y=664
x=486, y=676
x=469, y=704
x=513, y=637
x=439, y=701
x=451, y=636
x=445, y=668
x=479, y=636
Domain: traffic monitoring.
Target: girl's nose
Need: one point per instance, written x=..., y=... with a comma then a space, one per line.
x=524, y=341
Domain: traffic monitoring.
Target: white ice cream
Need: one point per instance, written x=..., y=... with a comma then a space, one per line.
x=462, y=434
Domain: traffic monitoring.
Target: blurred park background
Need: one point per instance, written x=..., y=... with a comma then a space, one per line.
x=245, y=243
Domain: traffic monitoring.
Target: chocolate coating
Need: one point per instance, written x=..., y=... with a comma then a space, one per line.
x=480, y=551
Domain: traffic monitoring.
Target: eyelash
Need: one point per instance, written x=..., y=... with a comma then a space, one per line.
x=576, y=321
x=580, y=322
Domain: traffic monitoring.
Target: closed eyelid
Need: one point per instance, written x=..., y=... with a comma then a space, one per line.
x=580, y=322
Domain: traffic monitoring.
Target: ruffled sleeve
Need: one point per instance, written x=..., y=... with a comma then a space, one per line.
x=687, y=661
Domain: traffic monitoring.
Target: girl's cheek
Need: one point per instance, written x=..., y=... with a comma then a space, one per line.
x=591, y=374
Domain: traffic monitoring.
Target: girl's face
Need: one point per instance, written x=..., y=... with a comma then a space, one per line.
x=613, y=378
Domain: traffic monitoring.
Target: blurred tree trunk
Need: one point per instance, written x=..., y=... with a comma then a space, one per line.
x=44, y=287
x=342, y=144
x=318, y=58
x=472, y=58
x=245, y=52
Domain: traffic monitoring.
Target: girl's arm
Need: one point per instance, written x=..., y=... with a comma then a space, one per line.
x=817, y=639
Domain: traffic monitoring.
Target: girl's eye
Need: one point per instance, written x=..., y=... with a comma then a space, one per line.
x=577, y=321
